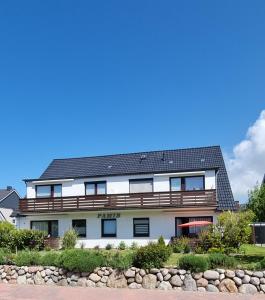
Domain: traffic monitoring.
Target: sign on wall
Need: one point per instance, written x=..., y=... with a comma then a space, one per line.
x=109, y=215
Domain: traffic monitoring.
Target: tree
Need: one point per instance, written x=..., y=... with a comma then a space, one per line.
x=256, y=202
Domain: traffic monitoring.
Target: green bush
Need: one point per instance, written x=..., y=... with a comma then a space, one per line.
x=5, y=256
x=69, y=239
x=262, y=264
x=221, y=260
x=153, y=255
x=122, y=245
x=193, y=263
x=109, y=246
x=134, y=246
x=27, y=258
x=161, y=241
x=50, y=258
x=27, y=239
x=118, y=260
x=80, y=260
x=6, y=238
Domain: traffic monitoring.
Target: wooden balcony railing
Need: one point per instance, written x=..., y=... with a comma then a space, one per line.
x=120, y=201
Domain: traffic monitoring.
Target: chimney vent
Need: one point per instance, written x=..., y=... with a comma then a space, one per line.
x=9, y=188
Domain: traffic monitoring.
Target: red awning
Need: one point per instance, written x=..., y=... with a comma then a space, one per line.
x=195, y=223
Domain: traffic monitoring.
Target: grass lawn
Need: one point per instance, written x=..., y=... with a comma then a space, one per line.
x=251, y=255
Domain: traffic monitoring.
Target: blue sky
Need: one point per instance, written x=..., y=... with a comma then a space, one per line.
x=80, y=78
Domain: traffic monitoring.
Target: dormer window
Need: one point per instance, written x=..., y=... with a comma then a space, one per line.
x=48, y=191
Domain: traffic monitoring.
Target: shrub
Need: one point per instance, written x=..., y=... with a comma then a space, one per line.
x=134, y=246
x=181, y=244
x=193, y=263
x=50, y=258
x=151, y=256
x=5, y=256
x=80, y=260
x=221, y=260
x=27, y=258
x=161, y=241
x=69, y=239
x=27, y=239
x=262, y=264
x=109, y=246
x=5, y=234
x=122, y=245
x=118, y=260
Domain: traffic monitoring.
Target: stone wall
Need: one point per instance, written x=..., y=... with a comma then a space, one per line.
x=219, y=280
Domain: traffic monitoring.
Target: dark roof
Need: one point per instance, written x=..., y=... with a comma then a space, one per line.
x=4, y=193
x=190, y=159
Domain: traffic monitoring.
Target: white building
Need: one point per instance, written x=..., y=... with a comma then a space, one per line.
x=134, y=197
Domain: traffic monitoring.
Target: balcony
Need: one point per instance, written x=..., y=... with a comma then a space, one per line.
x=183, y=199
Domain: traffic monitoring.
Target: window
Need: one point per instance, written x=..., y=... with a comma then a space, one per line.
x=175, y=184
x=108, y=227
x=141, y=227
x=195, y=230
x=194, y=183
x=96, y=188
x=141, y=185
x=187, y=183
x=80, y=227
x=49, y=227
x=45, y=191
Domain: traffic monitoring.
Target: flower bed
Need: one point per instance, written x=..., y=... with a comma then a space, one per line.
x=219, y=280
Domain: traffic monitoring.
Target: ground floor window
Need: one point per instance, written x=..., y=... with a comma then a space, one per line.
x=108, y=228
x=190, y=231
x=80, y=227
x=141, y=227
x=49, y=227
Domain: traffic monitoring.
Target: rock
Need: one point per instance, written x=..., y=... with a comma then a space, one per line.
x=262, y=280
x=249, y=273
x=22, y=279
x=94, y=277
x=167, y=277
x=211, y=275
x=212, y=288
x=159, y=277
x=197, y=276
x=165, y=285
x=100, y=273
x=182, y=272
x=176, y=281
x=228, y=286
x=230, y=274
x=149, y=281
x=142, y=272
x=81, y=282
x=54, y=278
x=129, y=273
x=189, y=283
x=258, y=274
x=138, y=278
x=173, y=271
x=73, y=283
x=48, y=272
x=237, y=280
x=29, y=281
x=104, y=279
x=246, y=279
x=43, y=274
x=254, y=280
x=130, y=280
x=134, y=285
x=63, y=282
x=220, y=271
x=154, y=270
x=248, y=289
x=100, y=284
x=28, y=275
x=201, y=289
x=85, y=274
x=50, y=282
x=216, y=282
x=262, y=287
x=240, y=273
x=202, y=282
x=33, y=269
x=21, y=272
x=164, y=272
x=90, y=283
x=38, y=278
x=74, y=277
x=117, y=280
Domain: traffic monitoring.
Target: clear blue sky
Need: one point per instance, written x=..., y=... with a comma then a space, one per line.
x=80, y=78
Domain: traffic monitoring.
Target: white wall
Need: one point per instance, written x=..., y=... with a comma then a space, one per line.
x=161, y=223
x=120, y=184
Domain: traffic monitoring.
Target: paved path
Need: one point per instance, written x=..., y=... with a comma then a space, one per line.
x=29, y=292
